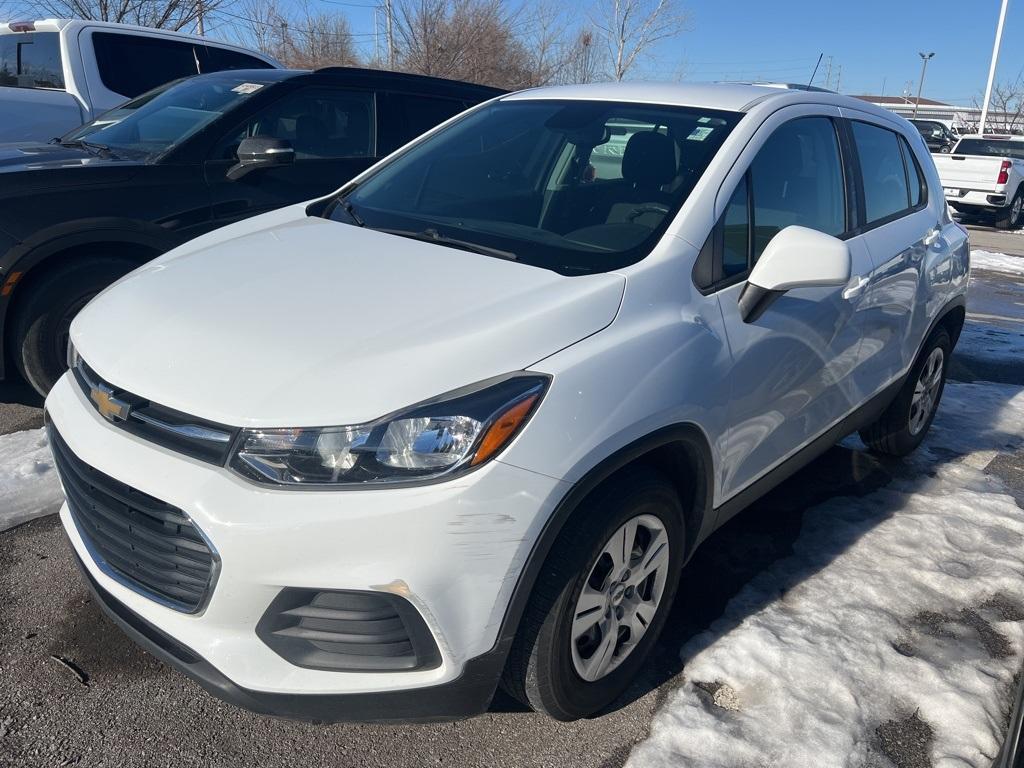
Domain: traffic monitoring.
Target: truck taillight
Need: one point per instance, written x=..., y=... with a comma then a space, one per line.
x=1004, y=172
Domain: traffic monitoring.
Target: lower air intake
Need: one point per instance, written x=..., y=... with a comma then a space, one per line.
x=348, y=631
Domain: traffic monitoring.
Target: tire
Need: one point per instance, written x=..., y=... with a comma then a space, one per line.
x=546, y=659
x=903, y=425
x=1011, y=219
x=39, y=335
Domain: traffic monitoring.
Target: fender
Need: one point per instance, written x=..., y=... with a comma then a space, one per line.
x=34, y=250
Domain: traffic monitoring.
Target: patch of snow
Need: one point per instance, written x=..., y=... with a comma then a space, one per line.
x=28, y=482
x=992, y=343
x=997, y=262
x=887, y=606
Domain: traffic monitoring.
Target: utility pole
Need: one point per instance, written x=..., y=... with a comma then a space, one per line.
x=390, y=33
x=839, y=78
x=992, y=67
x=376, y=34
x=828, y=73
x=200, y=27
x=925, y=58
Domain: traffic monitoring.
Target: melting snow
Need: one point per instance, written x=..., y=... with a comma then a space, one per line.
x=28, y=482
x=997, y=262
x=892, y=604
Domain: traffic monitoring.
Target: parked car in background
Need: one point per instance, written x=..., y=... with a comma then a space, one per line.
x=58, y=74
x=982, y=177
x=465, y=420
x=938, y=136
x=191, y=156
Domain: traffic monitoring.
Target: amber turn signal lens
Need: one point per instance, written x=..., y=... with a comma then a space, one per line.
x=503, y=428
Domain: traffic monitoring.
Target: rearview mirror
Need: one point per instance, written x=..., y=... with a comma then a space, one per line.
x=797, y=257
x=260, y=152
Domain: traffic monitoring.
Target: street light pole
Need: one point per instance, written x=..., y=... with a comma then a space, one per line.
x=992, y=67
x=920, y=86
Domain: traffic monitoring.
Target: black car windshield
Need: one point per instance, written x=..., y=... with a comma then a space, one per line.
x=573, y=186
x=991, y=148
x=156, y=122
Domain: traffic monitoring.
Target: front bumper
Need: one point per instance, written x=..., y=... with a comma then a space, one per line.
x=454, y=550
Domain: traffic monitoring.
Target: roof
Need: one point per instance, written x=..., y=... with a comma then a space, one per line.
x=387, y=75
x=732, y=97
x=901, y=100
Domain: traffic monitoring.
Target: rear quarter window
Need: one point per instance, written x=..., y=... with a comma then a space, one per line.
x=31, y=60
x=213, y=59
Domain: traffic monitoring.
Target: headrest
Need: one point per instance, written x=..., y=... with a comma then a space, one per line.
x=649, y=159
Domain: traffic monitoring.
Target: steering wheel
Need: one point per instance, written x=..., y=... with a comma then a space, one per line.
x=640, y=210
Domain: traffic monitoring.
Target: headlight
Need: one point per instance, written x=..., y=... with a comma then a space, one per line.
x=439, y=438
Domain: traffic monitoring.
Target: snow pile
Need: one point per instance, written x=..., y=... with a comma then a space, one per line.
x=997, y=262
x=28, y=482
x=900, y=606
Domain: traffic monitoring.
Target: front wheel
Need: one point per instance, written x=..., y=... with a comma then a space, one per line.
x=903, y=425
x=602, y=599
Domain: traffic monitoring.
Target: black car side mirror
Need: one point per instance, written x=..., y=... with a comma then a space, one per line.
x=261, y=152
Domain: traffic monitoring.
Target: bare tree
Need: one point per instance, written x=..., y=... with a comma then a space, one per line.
x=162, y=14
x=1006, y=109
x=305, y=39
x=583, y=61
x=470, y=40
x=632, y=27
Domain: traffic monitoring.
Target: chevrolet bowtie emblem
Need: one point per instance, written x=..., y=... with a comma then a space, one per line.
x=110, y=407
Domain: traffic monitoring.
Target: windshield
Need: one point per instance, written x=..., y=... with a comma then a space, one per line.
x=163, y=118
x=573, y=186
x=991, y=148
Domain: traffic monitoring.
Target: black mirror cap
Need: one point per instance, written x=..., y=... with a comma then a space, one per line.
x=261, y=152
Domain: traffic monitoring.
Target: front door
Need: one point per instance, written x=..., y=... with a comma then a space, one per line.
x=333, y=133
x=793, y=366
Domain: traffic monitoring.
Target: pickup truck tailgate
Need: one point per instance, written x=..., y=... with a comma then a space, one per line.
x=968, y=172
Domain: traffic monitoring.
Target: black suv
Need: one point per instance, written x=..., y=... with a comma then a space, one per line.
x=186, y=158
x=936, y=135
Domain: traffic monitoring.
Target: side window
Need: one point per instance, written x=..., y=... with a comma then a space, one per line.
x=31, y=60
x=886, y=191
x=133, y=64
x=221, y=59
x=406, y=116
x=736, y=232
x=797, y=178
x=320, y=123
x=915, y=175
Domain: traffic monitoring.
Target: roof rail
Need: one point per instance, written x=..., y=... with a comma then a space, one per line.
x=781, y=86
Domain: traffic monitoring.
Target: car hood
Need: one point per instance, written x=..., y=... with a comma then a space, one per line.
x=36, y=156
x=289, y=320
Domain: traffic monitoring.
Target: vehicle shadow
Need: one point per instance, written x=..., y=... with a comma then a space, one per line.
x=763, y=535
x=16, y=392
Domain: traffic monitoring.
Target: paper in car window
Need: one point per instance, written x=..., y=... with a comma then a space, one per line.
x=699, y=133
x=246, y=88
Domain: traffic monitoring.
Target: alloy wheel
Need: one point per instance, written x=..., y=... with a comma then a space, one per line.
x=926, y=391
x=620, y=598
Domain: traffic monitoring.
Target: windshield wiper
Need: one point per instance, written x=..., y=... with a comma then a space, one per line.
x=431, y=235
x=351, y=211
x=100, y=150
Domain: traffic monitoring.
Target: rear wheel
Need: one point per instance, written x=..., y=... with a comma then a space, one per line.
x=600, y=603
x=1011, y=219
x=42, y=325
x=903, y=425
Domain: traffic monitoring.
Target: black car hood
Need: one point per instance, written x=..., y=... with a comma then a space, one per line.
x=36, y=157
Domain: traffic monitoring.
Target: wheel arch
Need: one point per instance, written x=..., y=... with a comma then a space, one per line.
x=29, y=262
x=681, y=452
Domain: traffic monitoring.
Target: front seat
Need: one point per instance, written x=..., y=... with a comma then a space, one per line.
x=648, y=164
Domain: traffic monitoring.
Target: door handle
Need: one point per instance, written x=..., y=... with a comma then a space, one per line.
x=856, y=286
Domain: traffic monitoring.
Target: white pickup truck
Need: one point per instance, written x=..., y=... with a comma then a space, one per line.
x=983, y=176
x=57, y=74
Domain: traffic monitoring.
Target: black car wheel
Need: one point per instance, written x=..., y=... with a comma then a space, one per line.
x=42, y=325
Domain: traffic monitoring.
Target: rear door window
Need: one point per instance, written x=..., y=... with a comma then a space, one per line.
x=31, y=60
x=133, y=64
x=886, y=192
x=406, y=116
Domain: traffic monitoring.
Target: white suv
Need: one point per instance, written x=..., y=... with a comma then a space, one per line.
x=464, y=421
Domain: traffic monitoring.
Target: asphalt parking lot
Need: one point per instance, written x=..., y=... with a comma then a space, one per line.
x=110, y=704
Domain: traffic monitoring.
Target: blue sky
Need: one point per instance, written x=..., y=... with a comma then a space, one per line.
x=872, y=40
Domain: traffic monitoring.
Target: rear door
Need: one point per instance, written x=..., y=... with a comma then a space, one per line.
x=793, y=366
x=904, y=232
x=333, y=132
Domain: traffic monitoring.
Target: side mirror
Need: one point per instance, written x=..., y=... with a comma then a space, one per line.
x=797, y=257
x=260, y=152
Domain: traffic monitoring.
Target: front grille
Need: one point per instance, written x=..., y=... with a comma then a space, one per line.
x=348, y=630
x=142, y=542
